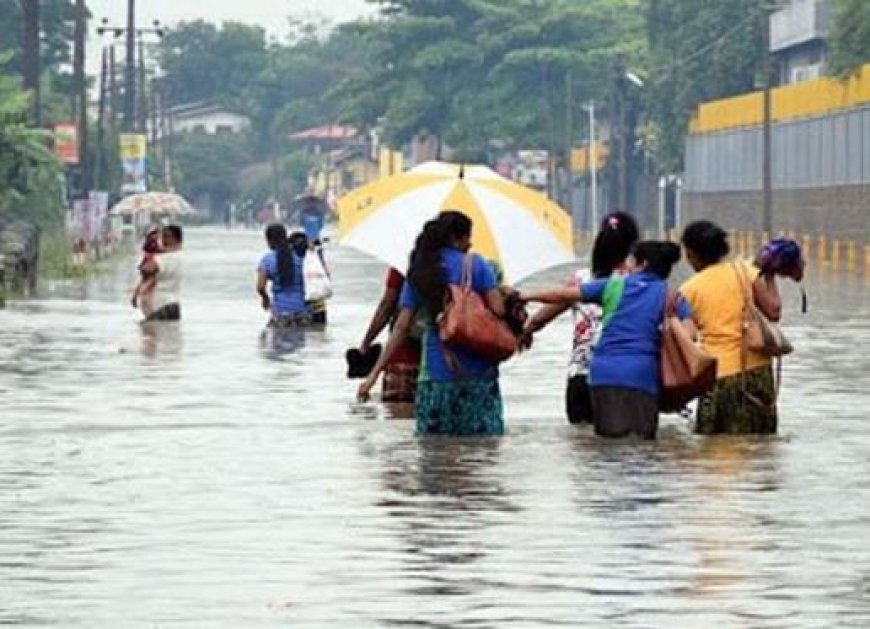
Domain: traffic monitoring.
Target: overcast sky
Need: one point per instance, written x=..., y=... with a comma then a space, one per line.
x=271, y=14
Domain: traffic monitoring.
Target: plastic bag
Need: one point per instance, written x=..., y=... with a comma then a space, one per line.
x=316, y=280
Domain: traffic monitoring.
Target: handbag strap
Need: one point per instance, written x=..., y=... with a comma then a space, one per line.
x=743, y=280
x=466, y=271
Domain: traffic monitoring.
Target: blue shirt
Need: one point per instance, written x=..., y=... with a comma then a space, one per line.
x=286, y=300
x=628, y=352
x=434, y=366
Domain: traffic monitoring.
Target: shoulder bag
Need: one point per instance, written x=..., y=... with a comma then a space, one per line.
x=760, y=334
x=315, y=279
x=687, y=371
x=467, y=322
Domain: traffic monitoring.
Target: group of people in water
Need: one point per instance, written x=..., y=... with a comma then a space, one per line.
x=618, y=306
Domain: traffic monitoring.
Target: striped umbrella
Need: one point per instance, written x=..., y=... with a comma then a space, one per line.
x=514, y=225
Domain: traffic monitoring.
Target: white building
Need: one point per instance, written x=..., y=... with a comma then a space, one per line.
x=798, y=31
x=206, y=118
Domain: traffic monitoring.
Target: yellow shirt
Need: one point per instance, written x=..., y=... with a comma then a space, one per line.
x=717, y=301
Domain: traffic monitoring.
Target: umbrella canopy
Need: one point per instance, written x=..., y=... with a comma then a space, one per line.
x=154, y=202
x=514, y=225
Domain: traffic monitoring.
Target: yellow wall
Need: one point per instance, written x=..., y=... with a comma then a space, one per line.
x=811, y=98
x=390, y=162
x=580, y=158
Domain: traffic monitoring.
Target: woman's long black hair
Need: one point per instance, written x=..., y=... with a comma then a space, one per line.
x=425, y=272
x=616, y=237
x=276, y=237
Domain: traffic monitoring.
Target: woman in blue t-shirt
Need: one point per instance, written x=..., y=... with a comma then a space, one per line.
x=624, y=374
x=282, y=267
x=458, y=392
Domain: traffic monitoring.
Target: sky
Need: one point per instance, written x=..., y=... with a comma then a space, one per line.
x=271, y=14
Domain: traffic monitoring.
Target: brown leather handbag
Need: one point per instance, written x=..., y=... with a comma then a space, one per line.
x=759, y=333
x=467, y=322
x=687, y=371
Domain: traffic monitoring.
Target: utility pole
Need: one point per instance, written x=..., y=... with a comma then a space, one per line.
x=101, y=121
x=130, y=70
x=142, y=108
x=113, y=90
x=30, y=55
x=569, y=142
x=81, y=87
x=766, y=126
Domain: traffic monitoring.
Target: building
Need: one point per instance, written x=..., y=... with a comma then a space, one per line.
x=206, y=118
x=798, y=31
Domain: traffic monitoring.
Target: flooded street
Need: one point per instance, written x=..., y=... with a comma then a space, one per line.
x=199, y=476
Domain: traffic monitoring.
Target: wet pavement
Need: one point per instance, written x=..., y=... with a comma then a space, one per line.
x=204, y=476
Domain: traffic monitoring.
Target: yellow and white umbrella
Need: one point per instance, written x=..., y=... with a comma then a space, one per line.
x=517, y=226
x=164, y=203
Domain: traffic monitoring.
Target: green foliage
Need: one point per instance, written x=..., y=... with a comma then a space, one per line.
x=29, y=185
x=205, y=63
x=208, y=166
x=57, y=19
x=473, y=71
x=699, y=50
x=850, y=37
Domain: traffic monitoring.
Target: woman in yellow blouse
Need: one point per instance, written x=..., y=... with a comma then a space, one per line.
x=744, y=399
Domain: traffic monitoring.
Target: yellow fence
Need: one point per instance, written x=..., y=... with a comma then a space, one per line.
x=819, y=251
x=811, y=98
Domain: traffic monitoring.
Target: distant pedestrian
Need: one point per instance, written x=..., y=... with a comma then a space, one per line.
x=281, y=267
x=166, y=267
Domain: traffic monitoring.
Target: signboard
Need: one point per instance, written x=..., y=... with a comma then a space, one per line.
x=134, y=163
x=66, y=142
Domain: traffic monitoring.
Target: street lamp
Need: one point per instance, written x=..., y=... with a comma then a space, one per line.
x=593, y=167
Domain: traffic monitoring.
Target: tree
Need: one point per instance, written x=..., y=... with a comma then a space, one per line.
x=205, y=63
x=28, y=169
x=699, y=50
x=850, y=37
x=207, y=167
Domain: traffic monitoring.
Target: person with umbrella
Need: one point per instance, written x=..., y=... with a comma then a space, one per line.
x=458, y=392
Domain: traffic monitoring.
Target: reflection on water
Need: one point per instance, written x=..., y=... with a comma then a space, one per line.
x=209, y=475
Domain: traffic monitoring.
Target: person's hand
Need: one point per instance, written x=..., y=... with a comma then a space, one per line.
x=364, y=348
x=363, y=393
x=134, y=300
x=264, y=301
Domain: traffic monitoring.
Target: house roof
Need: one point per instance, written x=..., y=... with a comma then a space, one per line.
x=328, y=132
x=200, y=108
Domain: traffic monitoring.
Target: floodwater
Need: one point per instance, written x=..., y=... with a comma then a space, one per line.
x=198, y=476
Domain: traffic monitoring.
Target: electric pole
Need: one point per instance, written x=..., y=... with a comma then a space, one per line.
x=81, y=88
x=30, y=55
x=766, y=130
x=101, y=121
x=130, y=70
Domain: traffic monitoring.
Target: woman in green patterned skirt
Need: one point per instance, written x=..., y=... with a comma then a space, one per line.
x=458, y=391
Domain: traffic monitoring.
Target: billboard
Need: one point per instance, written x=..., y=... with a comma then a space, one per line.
x=66, y=142
x=134, y=163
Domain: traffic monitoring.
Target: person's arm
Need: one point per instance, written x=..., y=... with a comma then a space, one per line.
x=495, y=301
x=766, y=296
x=381, y=317
x=262, y=284
x=397, y=337
x=544, y=316
x=562, y=296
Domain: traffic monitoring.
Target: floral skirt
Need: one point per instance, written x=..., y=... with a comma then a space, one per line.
x=739, y=406
x=460, y=407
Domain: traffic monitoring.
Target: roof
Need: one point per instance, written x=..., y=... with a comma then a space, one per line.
x=192, y=110
x=328, y=132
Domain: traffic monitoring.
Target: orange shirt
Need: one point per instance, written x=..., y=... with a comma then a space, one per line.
x=717, y=301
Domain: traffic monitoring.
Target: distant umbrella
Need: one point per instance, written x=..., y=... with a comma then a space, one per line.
x=162, y=203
